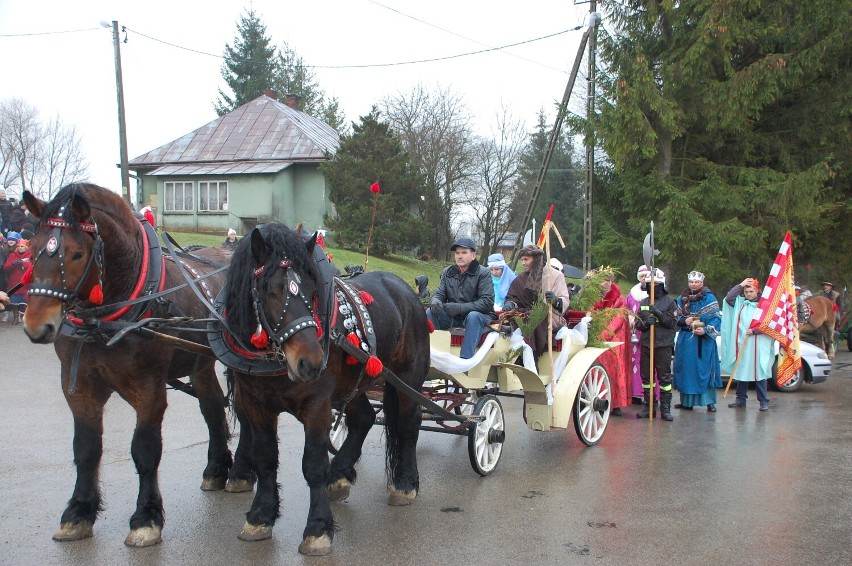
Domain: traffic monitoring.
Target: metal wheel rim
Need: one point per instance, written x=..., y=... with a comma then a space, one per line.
x=592, y=423
x=793, y=383
x=485, y=454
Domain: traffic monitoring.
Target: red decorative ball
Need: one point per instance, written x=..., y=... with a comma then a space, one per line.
x=375, y=189
x=260, y=339
x=96, y=296
x=374, y=366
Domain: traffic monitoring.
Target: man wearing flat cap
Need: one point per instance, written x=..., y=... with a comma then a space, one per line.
x=464, y=297
x=836, y=299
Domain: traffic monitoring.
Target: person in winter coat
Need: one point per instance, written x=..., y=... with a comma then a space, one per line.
x=231, y=240
x=19, y=217
x=538, y=282
x=15, y=266
x=6, y=207
x=663, y=316
x=464, y=297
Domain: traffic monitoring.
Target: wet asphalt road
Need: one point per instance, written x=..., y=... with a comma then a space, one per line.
x=735, y=487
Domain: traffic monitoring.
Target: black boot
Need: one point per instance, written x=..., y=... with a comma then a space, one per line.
x=645, y=412
x=666, y=407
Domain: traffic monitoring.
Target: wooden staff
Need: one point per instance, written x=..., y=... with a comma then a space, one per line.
x=736, y=364
x=651, y=381
x=548, y=226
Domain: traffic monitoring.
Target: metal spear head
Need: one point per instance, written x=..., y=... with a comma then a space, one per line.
x=648, y=251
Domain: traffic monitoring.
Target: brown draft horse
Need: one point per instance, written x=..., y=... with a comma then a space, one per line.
x=273, y=291
x=821, y=323
x=89, y=248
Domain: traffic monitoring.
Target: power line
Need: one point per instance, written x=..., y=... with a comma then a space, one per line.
x=47, y=32
x=379, y=65
x=424, y=22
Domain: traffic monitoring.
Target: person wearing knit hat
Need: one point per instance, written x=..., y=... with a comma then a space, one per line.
x=747, y=351
x=696, y=363
x=538, y=282
x=231, y=240
x=15, y=266
x=662, y=315
x=501, y=277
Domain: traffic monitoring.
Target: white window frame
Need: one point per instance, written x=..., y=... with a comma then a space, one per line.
x=221, y=204
x=187, y=188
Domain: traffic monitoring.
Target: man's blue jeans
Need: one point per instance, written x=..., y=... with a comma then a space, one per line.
x=474, y=323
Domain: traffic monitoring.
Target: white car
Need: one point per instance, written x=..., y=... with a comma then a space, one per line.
x=815, y=367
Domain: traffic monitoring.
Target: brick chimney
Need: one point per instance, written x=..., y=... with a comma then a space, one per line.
x=271, y=94
x=293, y=101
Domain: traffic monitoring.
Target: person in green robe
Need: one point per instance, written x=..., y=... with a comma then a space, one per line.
x=743, y=348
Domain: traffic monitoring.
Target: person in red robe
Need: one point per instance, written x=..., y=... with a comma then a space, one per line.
x=615, y=360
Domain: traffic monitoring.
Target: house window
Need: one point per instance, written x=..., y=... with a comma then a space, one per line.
x=179, y=196
x=212, y=196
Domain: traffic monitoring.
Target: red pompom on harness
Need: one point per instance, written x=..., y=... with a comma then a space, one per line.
x=366, y=297
x=430, y=325
x=260, y=339
x=355, y=341
x=374, y=366
x=96, y=296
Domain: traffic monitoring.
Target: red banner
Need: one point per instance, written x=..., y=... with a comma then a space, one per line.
x=776, y=312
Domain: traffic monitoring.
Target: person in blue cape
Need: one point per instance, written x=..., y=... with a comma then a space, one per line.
x=750, y=351
x=501, y=276
x=696, y=363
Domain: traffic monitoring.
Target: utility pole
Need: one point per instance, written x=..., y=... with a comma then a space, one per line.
x=590, y=138
x=551, y=146
x=122, y=128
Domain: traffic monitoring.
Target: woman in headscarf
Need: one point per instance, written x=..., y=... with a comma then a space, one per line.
x=538, y=282
x=502, y=277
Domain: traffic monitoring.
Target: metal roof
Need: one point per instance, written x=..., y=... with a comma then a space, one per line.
x=263, y=130
x=222, y=168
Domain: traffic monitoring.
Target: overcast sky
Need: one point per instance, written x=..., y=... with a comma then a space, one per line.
x=172, y=76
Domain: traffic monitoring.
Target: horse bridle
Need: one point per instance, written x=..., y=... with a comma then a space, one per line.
x=278, y=332
x=53, y=245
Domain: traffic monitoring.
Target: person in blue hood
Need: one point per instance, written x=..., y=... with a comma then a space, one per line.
x=501, y=276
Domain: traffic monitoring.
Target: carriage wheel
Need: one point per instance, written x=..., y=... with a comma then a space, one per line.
x=485, y=440
x=591, y=409
x=336, y=437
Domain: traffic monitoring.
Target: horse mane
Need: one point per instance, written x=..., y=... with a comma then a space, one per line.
x=238, y=300
x=115, y=224
x=99, y=199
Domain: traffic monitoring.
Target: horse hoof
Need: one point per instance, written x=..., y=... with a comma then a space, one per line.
x=399, y=498
x=315, y=546
x=212, y=484
x=239, y=486
x=73, y=531
x=144, y=536
x=339, y=490
x=253, y=533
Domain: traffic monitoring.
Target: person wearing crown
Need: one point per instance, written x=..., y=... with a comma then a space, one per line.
x=696, y=362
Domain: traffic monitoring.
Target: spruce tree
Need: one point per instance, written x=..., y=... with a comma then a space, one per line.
x=369, y=154
x=727, y=123
x=249, y=65
x=562, y=187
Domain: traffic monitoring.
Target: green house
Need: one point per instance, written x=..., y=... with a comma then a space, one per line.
x=258, y=163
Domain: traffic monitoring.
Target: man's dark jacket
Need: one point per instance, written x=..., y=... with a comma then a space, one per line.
x=471, y=290
x=665, y=312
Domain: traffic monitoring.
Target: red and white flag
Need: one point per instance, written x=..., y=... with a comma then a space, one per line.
x=544, y=227
x=776, y=312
